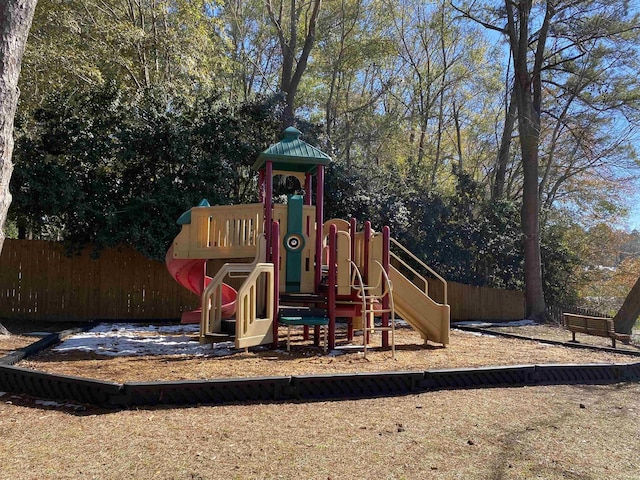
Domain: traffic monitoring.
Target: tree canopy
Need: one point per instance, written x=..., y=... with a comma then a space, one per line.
x=493, y=137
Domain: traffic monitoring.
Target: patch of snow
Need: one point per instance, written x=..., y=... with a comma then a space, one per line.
x=123, y=339
x=345, y=348
x=336, y=353
x=49, y=403
x=2, y=394
x=52, y=403
x=480, y=324
x=475, y=334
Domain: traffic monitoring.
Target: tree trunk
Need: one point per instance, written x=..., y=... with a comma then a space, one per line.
x=533, y=291
x=626, y=317
x=292, y=68
x=15, y=22
x=505, y=146
x=526, y=89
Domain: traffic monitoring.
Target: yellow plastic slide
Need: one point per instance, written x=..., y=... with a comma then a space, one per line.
x=427, y=317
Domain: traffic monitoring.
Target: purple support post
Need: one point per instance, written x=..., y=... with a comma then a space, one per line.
x=268, y=207
x=331, y=296
x=275, y=235
x=319, y=222
x=386, y=258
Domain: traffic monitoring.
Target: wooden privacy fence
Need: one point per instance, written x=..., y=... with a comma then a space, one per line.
x=38, y=281
x=479, y=303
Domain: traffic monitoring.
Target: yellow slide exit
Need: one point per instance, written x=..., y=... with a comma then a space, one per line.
x=427, y=317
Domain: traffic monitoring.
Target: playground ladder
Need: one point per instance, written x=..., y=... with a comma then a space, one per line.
x=368, y=309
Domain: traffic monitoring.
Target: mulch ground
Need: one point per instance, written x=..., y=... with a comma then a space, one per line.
x=465, y=350
x=550, y=432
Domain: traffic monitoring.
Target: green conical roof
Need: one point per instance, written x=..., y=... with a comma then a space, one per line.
x=185, y=218
x=292, y=154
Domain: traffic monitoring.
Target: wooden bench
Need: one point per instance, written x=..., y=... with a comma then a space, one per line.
x=599, y=326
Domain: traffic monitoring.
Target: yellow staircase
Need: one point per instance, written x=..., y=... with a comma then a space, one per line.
x=412, y=301
x=254, y=303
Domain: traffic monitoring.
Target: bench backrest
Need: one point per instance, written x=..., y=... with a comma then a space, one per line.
x=587, y=323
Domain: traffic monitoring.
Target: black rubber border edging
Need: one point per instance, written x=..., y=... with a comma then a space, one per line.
x=45, y=342
x=294, y=388
x=60, y=387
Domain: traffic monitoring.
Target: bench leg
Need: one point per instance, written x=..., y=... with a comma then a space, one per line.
x=613, y=342
x=288, y=338
x=573, y=336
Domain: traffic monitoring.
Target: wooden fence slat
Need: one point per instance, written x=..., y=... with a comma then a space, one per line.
x=39, y=281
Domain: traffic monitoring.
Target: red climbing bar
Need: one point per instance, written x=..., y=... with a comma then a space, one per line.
x=268, y=207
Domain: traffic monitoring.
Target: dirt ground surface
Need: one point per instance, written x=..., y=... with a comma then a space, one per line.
x=9, y=343
x=556, y=333
x=559, y=432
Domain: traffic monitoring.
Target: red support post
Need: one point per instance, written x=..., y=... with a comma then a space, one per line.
x=316, y=336
x=367, y=243
x=353, y=225
x=331, y=295
x=319, y=222
x=386, y=259
x=268, y=207
x=275, y=235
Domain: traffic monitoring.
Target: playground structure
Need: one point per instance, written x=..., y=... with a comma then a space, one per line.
x=305, y=271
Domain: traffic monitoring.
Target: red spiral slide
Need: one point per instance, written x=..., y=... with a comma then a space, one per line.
x=190, y=273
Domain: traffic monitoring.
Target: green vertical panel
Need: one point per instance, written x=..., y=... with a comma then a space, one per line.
x=294, y=244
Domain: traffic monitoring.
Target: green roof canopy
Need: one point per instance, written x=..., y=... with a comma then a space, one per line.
x=292, y=154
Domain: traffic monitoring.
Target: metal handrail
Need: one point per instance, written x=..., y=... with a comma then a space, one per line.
x=423, y=265
x=404, y=264
x=387, y=290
